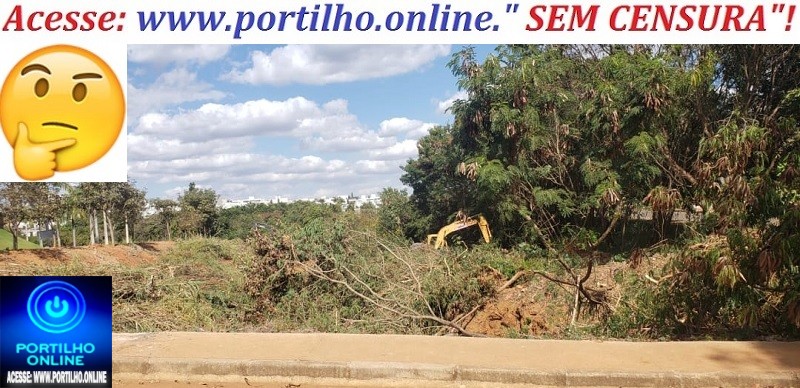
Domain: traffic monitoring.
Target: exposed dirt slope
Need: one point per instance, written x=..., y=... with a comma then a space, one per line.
x=130, y=255
x=535, y=306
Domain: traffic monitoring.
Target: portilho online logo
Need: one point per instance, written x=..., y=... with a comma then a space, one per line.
x=56, y=307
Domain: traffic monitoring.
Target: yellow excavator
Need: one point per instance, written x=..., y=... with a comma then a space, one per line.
x=439, y=240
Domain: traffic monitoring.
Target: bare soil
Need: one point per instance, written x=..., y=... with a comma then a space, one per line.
x=129, y=255
x=535, y=306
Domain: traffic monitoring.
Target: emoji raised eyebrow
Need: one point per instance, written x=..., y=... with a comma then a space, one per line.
x=34, y=67
x=86, y=75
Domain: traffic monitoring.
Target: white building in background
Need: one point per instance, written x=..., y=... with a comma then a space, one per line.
x=229, y=203
x=28, y=229
x=345, y=200
x=361, y=200
x=149, y=209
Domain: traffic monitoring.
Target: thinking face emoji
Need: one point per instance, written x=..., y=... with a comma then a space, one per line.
x=61, y=109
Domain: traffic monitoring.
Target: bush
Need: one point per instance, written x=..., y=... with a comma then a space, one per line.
x=332, y=275
x=717, y=287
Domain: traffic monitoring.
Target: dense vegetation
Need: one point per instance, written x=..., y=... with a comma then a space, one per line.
x=578, y=156
x=563, y=146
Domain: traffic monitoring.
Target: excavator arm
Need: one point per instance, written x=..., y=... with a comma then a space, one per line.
x=439, y=239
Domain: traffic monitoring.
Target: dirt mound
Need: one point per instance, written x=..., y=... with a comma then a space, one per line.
x=536, y=306
x=501, y=318
x=518, y=310
x=129, y=255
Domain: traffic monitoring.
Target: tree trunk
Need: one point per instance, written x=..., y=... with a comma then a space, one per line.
x=111, y=229
x=105, y=228
x=96, y=227
x=91, y=228
x=58, y=235
x=127, y=232
x=617, y=215
x=74, y=241
x=169, y=234
x=576, y=307
x=14, y=239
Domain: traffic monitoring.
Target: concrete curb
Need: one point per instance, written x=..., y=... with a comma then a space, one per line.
x=182, y=368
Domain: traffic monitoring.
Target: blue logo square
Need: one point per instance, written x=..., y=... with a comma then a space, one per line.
x=55, y=331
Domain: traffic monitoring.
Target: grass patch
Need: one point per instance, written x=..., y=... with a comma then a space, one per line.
x=6, y=241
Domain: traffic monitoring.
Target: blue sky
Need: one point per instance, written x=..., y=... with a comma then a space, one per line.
x=296, y=121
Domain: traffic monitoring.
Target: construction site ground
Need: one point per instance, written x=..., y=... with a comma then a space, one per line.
x=132, y=255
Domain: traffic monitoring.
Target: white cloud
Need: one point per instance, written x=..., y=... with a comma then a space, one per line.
x=174, y=87
x=226, y=145
x=325, y=64
x=183, y=127
x=403, y=151
x=174, y=192
x=444, y=105
x=412, y=129
x=220, y=166
x=375, y=167
x=323, y=177
x=333, y=142
x=164, y=54
x=221, y=127
x=149, y=147
x=263, y=173
x=251, y=118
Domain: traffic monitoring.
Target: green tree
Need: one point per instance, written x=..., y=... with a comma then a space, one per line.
x=368, y=207
x=554, y=142
x=92, y=199
x=131, y=204
x=198, y=210
x=747, y=170
x=397, y=215
x=72, y=208
x=107, y=199
x=238, y=221
x=439, y=191
x=562, y=144
x=23, y=204
x=48, y=211
x=166, y=210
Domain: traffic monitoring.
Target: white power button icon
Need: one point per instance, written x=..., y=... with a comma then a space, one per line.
x=56, y=306
x=48, y=307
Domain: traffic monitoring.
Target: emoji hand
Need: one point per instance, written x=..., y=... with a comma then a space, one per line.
x=34, y=161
